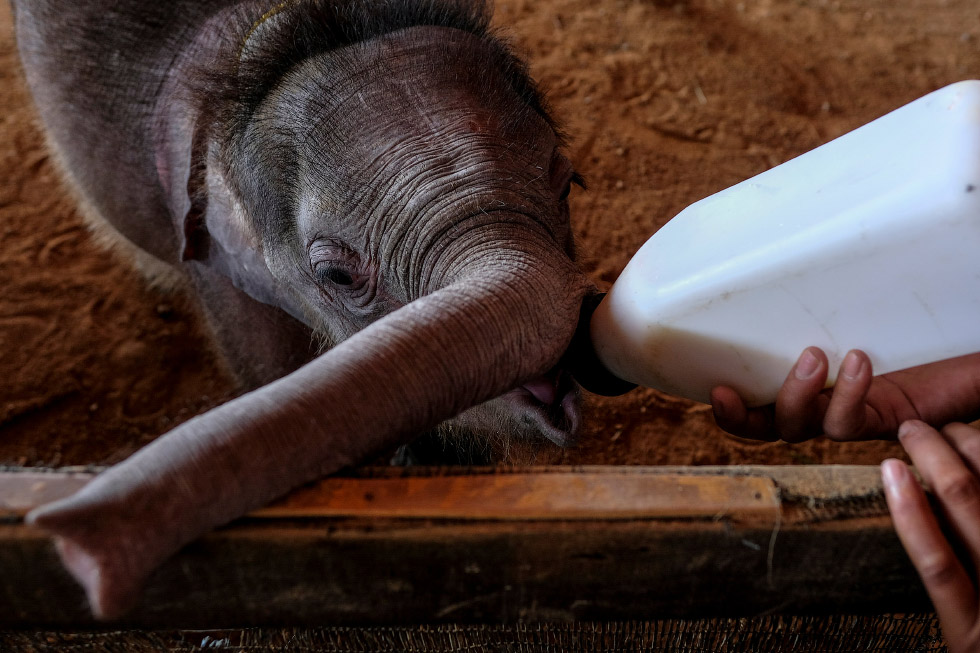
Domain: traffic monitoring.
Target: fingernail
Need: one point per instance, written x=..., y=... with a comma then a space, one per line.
x=908, y=427
x=807, y=366
x=852, y=366
x=894, y=474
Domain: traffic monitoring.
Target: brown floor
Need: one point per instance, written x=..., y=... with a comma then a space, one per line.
x=666, y=102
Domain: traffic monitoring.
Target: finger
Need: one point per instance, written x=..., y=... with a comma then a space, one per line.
x=732, y=415
x=956, y=487
x=966, y=440
x=944, y=578
x=847, y=416
x=799, y=404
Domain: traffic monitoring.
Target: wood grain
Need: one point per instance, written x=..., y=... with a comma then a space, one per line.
x=471, y=546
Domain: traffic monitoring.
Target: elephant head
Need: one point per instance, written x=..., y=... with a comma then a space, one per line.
x=394, y=183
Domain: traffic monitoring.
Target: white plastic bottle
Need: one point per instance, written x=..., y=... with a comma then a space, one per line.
x=871, y=241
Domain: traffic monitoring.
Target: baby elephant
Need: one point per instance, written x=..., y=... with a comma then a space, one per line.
x=369, y=200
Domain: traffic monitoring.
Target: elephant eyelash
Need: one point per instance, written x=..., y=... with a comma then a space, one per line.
x=328, y=274
x=352, y=287
x=336, y=265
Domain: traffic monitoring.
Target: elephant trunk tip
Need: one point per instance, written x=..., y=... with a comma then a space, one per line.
x=583, y=363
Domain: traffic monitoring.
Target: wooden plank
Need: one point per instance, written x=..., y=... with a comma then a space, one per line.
x=558, y=496
x=812, y=541
x=22, y=491
x=917, y=633
x=593, y=492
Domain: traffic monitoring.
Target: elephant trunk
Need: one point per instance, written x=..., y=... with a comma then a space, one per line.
x=491, y=327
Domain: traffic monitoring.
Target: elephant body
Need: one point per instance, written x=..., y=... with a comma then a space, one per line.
x=369, y=201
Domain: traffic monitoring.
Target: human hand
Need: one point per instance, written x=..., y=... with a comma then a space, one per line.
x=949, y=462
x=860, y=406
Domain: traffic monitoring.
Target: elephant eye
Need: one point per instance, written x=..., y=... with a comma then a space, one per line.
x=334, y=264
x=337, y=276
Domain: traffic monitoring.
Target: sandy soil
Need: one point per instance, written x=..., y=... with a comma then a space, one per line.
x=666, y=102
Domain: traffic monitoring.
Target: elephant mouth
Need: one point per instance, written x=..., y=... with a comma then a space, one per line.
x=551, y=403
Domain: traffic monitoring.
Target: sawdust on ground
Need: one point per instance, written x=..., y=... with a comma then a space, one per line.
x=666, y=102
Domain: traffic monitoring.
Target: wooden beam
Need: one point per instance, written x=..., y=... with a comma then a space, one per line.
x=391, y=546
x=905, y=633
x=582, y=495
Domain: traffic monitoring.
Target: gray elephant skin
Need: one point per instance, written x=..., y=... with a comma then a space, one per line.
x=369, y=202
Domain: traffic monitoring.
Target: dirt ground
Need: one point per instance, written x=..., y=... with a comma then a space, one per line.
x=665, y=102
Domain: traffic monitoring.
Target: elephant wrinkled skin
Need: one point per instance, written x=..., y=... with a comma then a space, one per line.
x=369, y=201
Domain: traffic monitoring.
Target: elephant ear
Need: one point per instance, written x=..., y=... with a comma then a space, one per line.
x=204, y=210
x=217, y=231
x=181, y=143
x=208, y=217
x=194, y=237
